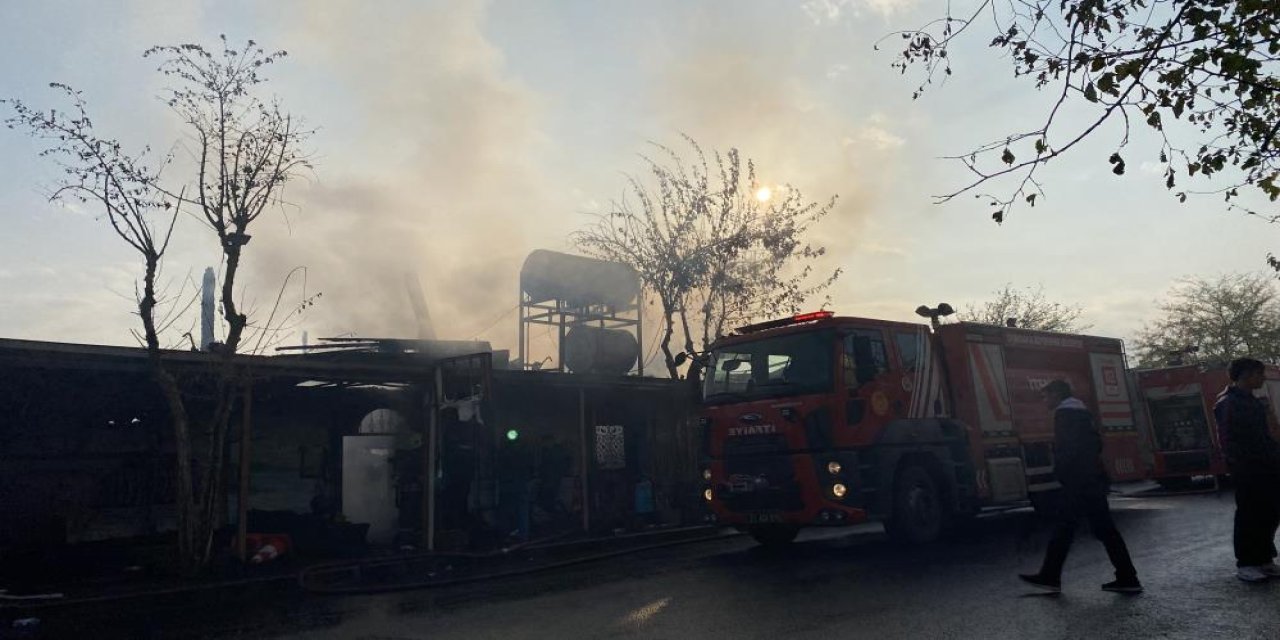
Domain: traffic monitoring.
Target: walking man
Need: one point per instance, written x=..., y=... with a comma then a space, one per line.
x=1077, y=464
x=1253, y=458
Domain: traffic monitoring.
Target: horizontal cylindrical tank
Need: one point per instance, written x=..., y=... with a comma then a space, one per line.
x=601, y=351
x=577, y=280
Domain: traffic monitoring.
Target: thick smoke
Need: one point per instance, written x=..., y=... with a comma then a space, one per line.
x=441, y=179
x=448, y=170
x=769, y=97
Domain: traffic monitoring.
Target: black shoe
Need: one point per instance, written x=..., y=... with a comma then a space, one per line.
x=1039, y=582
x=1124, y=586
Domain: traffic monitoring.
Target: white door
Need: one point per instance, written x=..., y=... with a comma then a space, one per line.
x=368, y=492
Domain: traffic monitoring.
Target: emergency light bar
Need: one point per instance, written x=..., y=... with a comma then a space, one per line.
x=782, y=322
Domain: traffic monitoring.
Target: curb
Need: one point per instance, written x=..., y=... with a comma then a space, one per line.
x=399, y=574
x=551, y=553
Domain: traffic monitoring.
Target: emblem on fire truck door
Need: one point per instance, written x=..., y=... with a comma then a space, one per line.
x=907, y=384
x=879, y=403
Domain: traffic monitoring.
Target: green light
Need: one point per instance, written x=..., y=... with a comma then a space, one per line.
x=513, y=434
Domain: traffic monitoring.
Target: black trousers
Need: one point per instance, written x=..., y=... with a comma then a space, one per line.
x=1257, y=516
x=1090, y=503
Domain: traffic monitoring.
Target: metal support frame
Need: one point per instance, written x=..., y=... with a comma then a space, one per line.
x=481, y=366
x=563, y=317
x=429, y=454
x=640, y=333
x=585, y=468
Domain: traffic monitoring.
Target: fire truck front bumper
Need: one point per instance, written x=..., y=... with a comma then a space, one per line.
x=783, y=490
x=819, y=516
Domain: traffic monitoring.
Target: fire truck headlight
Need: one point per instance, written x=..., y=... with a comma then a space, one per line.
x=833, y=467
x=839, y=490
x=706, y=494
x=706, y=474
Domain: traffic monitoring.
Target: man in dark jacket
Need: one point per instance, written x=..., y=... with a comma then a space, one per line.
x=1078, y=467
x=1253, y=458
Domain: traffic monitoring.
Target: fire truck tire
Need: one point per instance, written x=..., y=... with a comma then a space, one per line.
x=918, y=513
x=777, y=535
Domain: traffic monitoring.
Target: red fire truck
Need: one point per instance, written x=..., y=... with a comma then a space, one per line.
x=1177, y=403
x=822, y=420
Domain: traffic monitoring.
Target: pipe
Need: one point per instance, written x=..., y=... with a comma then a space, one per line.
x=207, y=296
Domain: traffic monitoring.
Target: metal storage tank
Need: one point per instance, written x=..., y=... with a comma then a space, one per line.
x=602, y=351
x=577, y=280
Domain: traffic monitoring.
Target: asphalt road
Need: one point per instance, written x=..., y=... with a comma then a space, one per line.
x=832, y=583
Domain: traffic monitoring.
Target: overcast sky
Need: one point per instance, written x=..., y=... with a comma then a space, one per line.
x=455, y=137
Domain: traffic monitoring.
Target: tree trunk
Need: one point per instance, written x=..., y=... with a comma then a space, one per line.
x=236, y=321
x=213, y=480
x=668, y=330
x=688, y=335
x=188, y=561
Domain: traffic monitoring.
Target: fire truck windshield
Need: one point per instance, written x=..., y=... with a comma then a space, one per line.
x=784, y=365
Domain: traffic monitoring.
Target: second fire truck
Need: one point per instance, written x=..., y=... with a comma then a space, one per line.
x=1178, y=405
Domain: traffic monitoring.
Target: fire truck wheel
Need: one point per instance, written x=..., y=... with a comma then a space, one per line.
x=917, y=507
x=774, y=535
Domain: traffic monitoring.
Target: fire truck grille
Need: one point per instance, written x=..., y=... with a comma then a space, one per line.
x=762, y=484
x=755, y=444
x=1186, y=462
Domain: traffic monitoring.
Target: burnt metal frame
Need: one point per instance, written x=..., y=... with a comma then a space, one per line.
x=558, y=313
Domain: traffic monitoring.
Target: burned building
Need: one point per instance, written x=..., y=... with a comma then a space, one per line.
x=395, y=445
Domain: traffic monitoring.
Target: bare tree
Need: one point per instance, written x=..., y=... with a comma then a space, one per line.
x=281, y=323
x=242, y=152
x=1029, y=308
x=1201, y=74
x=714, y=245
x=1231, y=316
